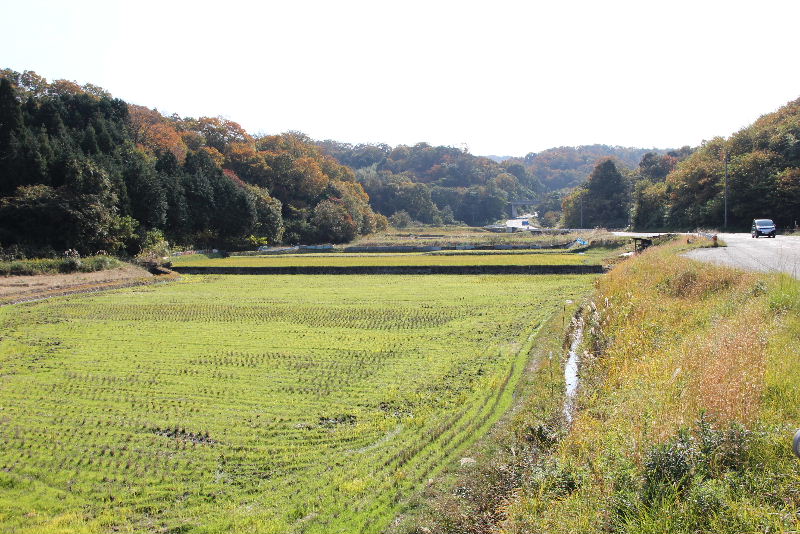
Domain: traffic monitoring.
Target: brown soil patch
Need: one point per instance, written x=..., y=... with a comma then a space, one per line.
x=17, y=288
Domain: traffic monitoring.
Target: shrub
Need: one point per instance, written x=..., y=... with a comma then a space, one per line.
x=400, y=219
x=669, y=466
x=555, y=478
x=99, y=263
x=154, y=249
x=708, y=498
x=68, y=264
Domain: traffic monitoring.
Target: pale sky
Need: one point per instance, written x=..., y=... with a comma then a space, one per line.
x=500, y=77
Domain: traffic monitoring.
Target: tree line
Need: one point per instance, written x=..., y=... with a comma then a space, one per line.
x=435, y=184
x=763, y=179
x=82, y=170
x=608, y=198
x=685, y=189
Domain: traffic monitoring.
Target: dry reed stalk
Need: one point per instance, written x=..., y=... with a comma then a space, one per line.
x=727, y=370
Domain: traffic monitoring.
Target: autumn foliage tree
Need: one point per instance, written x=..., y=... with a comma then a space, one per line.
x=154, y=133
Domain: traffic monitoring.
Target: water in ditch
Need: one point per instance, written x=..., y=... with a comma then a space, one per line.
x=571, y=368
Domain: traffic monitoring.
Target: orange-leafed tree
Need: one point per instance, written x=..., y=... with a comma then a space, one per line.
x=220, y=132
x=152, y=132
x=249, y=163
x=308, y=178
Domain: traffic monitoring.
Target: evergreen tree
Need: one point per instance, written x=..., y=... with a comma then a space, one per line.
x=602, y=201
x=147, y=201
x=89, y=141
x=11, y=139
x=10, y=114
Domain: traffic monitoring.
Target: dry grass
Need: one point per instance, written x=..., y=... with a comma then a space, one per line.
x=727, y=369
x=673, y=342
x=23, y=286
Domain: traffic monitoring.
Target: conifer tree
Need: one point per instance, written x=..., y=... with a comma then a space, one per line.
x=602, y=201
x=10, y=114
x=11, y=129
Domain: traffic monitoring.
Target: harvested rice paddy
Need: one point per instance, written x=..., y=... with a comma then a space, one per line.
x=255, y=403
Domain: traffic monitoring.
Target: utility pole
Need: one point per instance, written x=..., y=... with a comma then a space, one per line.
x=725, y=193
x=581, y=211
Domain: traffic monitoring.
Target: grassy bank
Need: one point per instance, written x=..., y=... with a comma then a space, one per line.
x=691, y=394
x=57, y=265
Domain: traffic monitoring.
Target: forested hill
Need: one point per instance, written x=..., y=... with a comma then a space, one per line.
x=436, y=184
x=80, y=169
x=764, y=180
x=567, y=167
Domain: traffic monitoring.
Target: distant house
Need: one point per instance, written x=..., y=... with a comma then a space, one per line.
x=517, y=224
x=521, y=222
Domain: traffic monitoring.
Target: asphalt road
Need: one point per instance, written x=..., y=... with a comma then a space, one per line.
x=763, y=254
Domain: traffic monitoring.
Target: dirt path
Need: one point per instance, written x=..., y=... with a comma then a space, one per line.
x=25, y=288
x=781, y=254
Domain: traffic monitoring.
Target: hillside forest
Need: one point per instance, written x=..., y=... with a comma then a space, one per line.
x=80, y=169
x=685, y=189
x=597, y=185
x=437, y=184
x=763, y=163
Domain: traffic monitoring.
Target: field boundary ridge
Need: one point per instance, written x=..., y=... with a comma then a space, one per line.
x=398, y=269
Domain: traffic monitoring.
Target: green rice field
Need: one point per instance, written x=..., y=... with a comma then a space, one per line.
x=393, y=259
x=268, y=404
x=466, y=235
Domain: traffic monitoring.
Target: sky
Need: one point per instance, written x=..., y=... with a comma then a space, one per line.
x=495, y=77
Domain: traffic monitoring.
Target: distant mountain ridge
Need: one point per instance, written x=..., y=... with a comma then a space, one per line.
x=567, y=167
x=440, y=184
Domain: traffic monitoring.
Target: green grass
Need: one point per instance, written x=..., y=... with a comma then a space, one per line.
x=57, y=265
x=393, y=259
x=255, y=403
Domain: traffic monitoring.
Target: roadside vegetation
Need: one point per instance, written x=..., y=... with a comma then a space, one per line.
x=689, y=400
